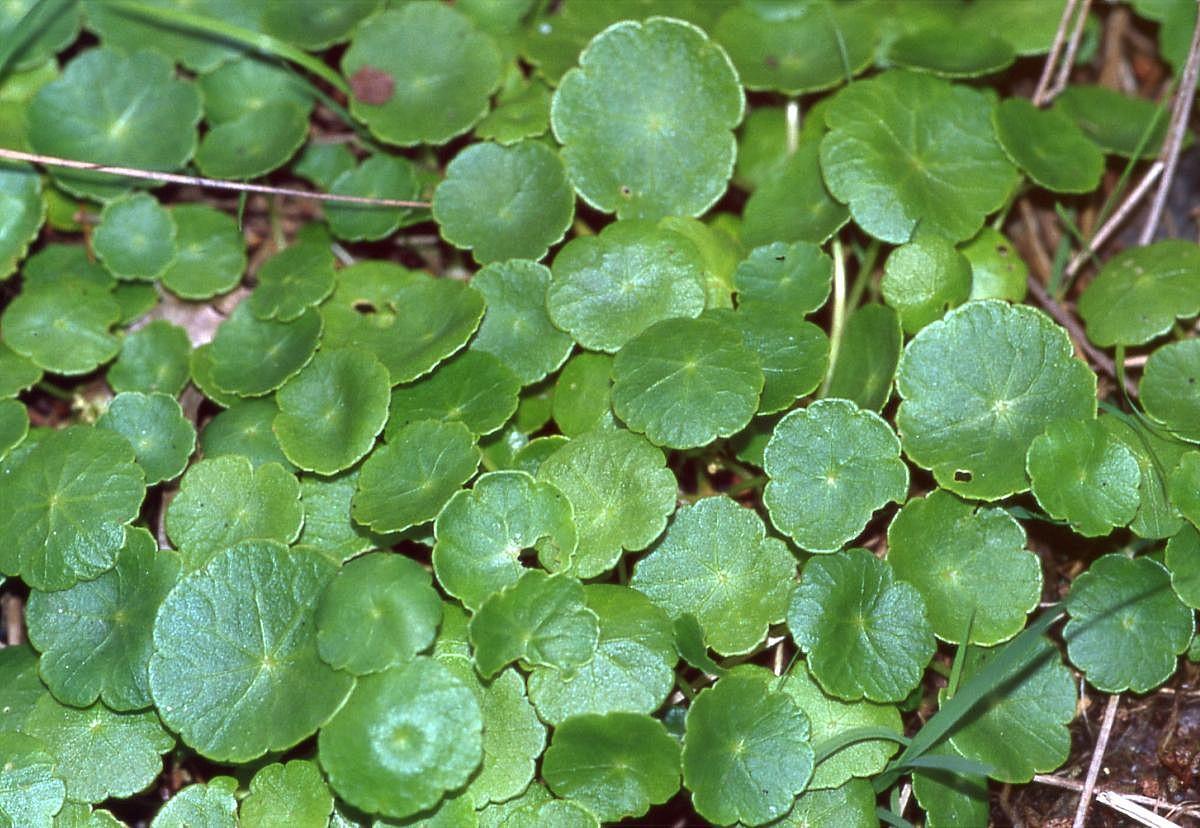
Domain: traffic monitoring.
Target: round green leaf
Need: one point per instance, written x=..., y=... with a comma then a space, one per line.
x=632, y=669
x=21, y=689
x=67, y=500
x=746, y=752
x=251, y=356
x=795, y=276
x=315, y=24
x=1182, y=558
x=247, y=84
x=645, y=120
x=328, y=527
x=17, y=373
x=135, y=238
x=877, y=160
x=608, y=288
x=22, y=212
x=516, y=327
x=951, y=799
x=555, y=813
x=540, y=620
x=63, y=327
x=162, y=438
x=621, y=491
x=1028, y=26
x=522, y=110
x=582, y=393
x=716, y=563
x=474, y=388
x=830, y=467
x=968, y=563
x=1140, y=292
x=30, y=791
x=245, y=429
x=794, y=204
x=136, y=300
x=95, y=637
x=210, y=253
x=978, y=386
x=1082, y=474
x=126, y=30
x=1184, y=486
x=292, y=794
x=379, y=176
x=212, y=805
x=1117, y=123
x=55, y=263
x=685, y=382
x=404, y=737
x=952, y=51
x=293, y=280
x=1155, y=452
x=997, y=271
x=866, y=634
x=830, y=717
x=99, y=753
x=1127, y=625
x=259, y=684
x=797, y=48
x=379, y=611
x=115, y=109
x=482, y=532
x=152, y=359
x=331, y=411
x=410, y=321
x=1168, y=388
x=616, y=765
x=868, y=356
x=1020, y=728
x=254, y=144
x=408, y=480
x=225, y=500
x=923, y=279
x=851, y=805
x=1048, y=146
x=421, y=73
x=14, y=425
x=505, y=202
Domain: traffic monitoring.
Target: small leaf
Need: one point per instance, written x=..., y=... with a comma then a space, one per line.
x=663, y=144
x=952, y=51
x=951, y=799
x=67, y=500
x=152, y=359
x=969, y=564
x=541, y=620
x=323, y=163
x=997, y=270
x=293, y=280
x=252, y=356
x=135, y=238
x=403, y=738
x=924, y=278
x=63, y=327
x=794, y=204
x=621, y=491
x=292, y=794
x=99, y=753
x=875, y=159
x=481, y=532
x=245, y=429
x=22, y=211
x=1184, y=486
x=330, y=412
x=30, y=792
x=328, y=527
x=632, y=669
x=1080, y=473
x=1169, y=389
x=474, y=388
x=457, y=68
x=210, y=253
x=162, y=437
x=746, y=752
x=115, y=109
x=1182, y=558
x=716, y=563
x=1156, y=454
x=1127, y=626
x=196, y=50
x=616, y=765
x=796, y=276
x=14, y=425
x=21, y=689
x=408, y=480
x=516, y=327
x=95, y=637
x=870, y=352
x=224, y=500
x=254, y=144
x=851, y=805
x=379, y=176
x=212, y=805
x=1048, y=146
x=978, y=386
x=583, y=393
x=522, y=111
x=17, y=373
x=315, y=24
x=504, y=202
x=1140, y=292
x=259, y=685
x=830, y=467
x=377, y=612
x=685, y=382
x=609, y=288
x=1117, y=123
x=866, y=635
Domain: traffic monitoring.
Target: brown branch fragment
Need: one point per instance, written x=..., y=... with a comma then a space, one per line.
x=1089, y=781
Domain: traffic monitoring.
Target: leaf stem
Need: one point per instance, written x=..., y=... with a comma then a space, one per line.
x=838, y=322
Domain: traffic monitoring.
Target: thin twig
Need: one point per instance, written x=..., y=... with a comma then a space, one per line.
x=1176, y=132
x=1149, y=801
x=1064, y=70
x=1123, y=805
x=1060, y=35
x=1131, y=201
x=1089, y=781
x=212, y=183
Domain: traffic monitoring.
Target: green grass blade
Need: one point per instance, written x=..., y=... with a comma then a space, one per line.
x=36, y=19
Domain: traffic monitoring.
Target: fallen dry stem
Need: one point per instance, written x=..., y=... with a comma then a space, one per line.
x=1089, y=781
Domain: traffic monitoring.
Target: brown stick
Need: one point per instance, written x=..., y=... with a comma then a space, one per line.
x=1089, y=782
x=1060, y=35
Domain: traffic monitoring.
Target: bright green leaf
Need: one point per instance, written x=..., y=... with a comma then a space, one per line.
x=583, y=393
x=30, y=791
x=292, y=280
x=328, y=527
x=14, y=425
x=1140, y=292
x=868, y=356
x=474, y=388
x=924, y=278
x=135, y=238
x=252, y=356
x=379, y=176
x=997, y=270
x=1184, y=486
x=245, y=429
x=952, y=51
x=1118, y=123
x=1048, y=146
x=152, y=359
x=210, y=253
x=16, y=372
x=315, y=24
x=1156, y=455
x=794, y=203
x=22, y=212
x=1182, y=558
x=154, y=424
x=293, y=794
x=211, y=805
x=63, y=327
x=1168, y=388
x=516, y=327
x=797, y=277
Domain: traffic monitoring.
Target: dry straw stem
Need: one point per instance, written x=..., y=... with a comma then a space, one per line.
x=1089, y=782
x=210, y=183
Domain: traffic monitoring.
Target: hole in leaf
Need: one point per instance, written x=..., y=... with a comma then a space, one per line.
x=364, y=307
x=625, y=191
x=963, y=476
x=1001, y=250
